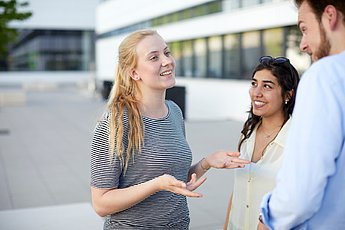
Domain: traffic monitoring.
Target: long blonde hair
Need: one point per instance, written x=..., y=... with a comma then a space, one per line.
x=123, y=97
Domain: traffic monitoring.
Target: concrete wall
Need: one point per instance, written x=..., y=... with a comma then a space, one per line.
x=210, y=99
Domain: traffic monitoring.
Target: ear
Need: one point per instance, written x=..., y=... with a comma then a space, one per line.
x=134, y=75
x=331, y=16
x=289, y=95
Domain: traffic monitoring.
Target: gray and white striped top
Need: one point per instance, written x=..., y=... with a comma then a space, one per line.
x=165, y=150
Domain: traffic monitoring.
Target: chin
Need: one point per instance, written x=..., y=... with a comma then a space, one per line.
x=170, y=86
x=171, y=83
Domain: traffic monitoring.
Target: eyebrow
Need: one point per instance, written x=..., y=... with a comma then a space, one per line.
x=300, y=21
x=156, y=51
x=265, y=81
x=151, y=52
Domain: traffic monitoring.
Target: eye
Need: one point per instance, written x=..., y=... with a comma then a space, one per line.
x=254, y=84
x=303, y=29
x=167, y=53
x=268, y=86
x=154, y=58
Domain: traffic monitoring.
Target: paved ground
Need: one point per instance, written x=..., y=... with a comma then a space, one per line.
x=45, y=141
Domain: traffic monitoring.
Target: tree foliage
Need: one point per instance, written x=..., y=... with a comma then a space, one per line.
x=9, y=11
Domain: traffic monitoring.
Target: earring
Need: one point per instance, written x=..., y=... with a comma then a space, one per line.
x=286, y=101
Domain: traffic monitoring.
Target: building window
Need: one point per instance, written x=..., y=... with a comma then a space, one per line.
x=301, y=61
x=175, y=48
x=232, y=56
x=251, y=52
x=231, y=5
x=187, y=58
x=200, y=50
x=273, y=42
x=215, y=57
x=40, y=50
x=246, y=3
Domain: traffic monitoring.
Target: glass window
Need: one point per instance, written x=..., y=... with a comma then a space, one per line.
x=231, y=5
x=175, y=49
x=214, y=7
x=232, y=58
x=215, y=57
x=175, y=17
x=187, y=58
x=273, y=42
x=199, y=11
x=301, y=61
x=251, y=52
x=186, y=14
x=247, y=3
x=43, y=50
x=200, y=50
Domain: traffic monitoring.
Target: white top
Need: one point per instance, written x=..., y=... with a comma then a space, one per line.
x=254, y=180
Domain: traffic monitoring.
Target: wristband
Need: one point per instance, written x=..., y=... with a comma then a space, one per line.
x=202, y=167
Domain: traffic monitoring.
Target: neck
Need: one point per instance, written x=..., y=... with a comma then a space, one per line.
x=338, y=44
x=273, y=123
x=153, y=105
x=337, y=37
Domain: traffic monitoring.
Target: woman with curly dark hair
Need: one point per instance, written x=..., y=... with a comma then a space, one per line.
x=272, y=93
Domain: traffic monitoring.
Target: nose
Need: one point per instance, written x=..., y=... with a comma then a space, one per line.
x=167, y=60
x=256, y=91
x=303, y=46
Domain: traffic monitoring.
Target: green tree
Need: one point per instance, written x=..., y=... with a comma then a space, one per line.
x=9, y=12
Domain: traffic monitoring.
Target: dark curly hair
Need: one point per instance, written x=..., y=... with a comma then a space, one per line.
x=288, y=79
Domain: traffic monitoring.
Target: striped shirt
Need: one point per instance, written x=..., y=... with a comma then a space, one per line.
x=165, y=151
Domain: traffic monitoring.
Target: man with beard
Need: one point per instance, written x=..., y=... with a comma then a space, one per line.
x=310, y=190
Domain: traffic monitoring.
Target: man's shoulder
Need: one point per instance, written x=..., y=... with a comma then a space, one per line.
x=331, y=60
x=331, y=65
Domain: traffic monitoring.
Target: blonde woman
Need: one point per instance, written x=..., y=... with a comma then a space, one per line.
x=141, y=167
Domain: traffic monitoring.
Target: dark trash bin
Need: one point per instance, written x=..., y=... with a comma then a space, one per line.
x=178, y=95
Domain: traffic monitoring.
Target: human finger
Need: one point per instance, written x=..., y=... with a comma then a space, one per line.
x=236, y=163
x=233, y=154
x=196, y=184
x=185, y=192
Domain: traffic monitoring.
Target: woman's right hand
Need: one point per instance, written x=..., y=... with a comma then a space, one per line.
x=171, y=184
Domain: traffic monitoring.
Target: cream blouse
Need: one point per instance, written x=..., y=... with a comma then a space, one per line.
x=254, y=180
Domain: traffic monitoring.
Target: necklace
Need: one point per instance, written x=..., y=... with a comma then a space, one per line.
x=266, y=135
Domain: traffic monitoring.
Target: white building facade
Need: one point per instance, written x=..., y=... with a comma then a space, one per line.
x=216, y=45
x=59, y=36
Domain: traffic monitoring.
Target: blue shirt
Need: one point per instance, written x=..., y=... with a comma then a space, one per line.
x=310, y=191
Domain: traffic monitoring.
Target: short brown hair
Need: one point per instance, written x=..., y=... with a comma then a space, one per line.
x=318, y=6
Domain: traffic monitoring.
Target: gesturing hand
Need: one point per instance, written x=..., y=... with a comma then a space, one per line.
x=171, y=184
x=222, y=159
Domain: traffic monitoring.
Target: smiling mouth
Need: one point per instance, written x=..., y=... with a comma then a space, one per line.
x=259, y=103
x=169, y=72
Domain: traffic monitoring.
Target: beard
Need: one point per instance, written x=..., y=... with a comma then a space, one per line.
x=324, y=47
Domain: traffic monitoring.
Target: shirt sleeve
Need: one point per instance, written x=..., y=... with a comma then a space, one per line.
x=312, y=147
x=104, y=170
